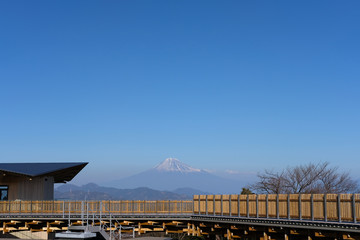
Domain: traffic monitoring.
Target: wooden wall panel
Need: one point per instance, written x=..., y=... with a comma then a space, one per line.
x=305, y=206
x=357, y=207
x=218, y=204
x=331, y=205
x=211, y=204
x=283, y=211
x=252, y=205
x=294, y=206
x=196, y=203
x=24, y=188
x=262, y=205
x=272, y=205
x=346, y=207
x=226, y=202
x=318, y=206
x=234, y=205
x=203, y=204
x=243, y=205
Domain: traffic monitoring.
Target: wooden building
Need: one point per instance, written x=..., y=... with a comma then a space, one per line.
x=35, y=181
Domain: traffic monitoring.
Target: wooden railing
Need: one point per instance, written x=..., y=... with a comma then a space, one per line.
x=312, y=207
x=81, y=207
x=323, y=207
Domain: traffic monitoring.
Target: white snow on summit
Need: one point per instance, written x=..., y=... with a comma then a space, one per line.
x=174, y=165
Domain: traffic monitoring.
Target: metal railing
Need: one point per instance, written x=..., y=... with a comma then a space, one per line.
x=115, y=230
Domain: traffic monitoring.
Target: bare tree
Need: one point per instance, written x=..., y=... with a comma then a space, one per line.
x=309, y=178
x=335, y=182
x=269, y=182
x=304, y=178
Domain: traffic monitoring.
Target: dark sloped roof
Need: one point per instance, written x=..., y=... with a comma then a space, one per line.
x=60, y=171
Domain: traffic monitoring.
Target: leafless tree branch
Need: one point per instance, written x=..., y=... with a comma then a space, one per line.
x=309, y=178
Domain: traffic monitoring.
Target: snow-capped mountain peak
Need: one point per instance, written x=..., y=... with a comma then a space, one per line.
x=174, y=165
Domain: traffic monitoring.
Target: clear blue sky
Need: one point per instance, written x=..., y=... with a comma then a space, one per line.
x=220, y=85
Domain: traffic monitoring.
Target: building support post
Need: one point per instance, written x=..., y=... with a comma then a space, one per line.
x=339, y=206
x=277, y=207
x=312, y=207
x=181, y=206
x=286, y=237
x=214, y=205
x=257, y=206
x=139, y=228
x=69, y=222
x=110, y=223
x=228, y=234
x=300, y=210
x=199, y=206
x=82, y=213
x=206, y=205
x=267, y=205
x=325, y=207
x=353, y=206
x=169, y=207
x=222, y=213
x=247, y=206
x=230, y=205
x=265, y=236
x=239, y=205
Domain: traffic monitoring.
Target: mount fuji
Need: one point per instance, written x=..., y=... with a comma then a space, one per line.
x=174, y=165
x=173, y=174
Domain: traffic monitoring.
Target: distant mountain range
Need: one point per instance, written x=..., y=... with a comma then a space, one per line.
x=176, y=181
x=92, y=191
x=173, y=174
